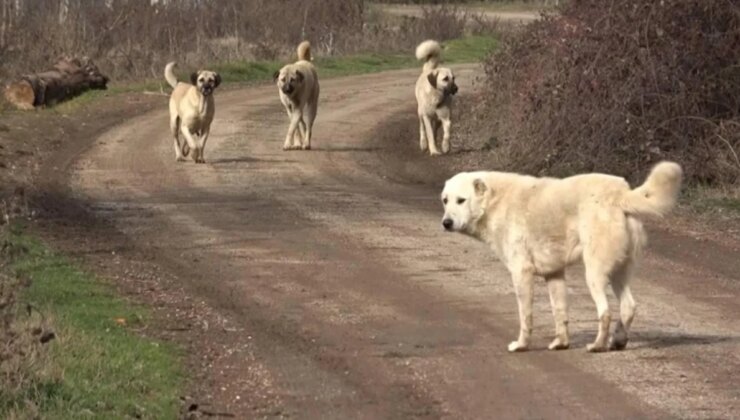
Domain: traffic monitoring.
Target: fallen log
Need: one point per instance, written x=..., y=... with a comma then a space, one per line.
x=68, y=78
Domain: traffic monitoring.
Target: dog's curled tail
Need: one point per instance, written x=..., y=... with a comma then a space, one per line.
x=658, y=195
x=429, y=51
x=169, y=75
x=304, y=51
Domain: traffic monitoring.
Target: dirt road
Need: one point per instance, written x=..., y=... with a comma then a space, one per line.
x=339, y=296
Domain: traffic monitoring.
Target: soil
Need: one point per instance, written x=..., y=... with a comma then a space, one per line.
x=319, y=284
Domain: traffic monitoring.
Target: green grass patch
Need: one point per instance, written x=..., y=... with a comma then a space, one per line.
x=465, y=50
x=96, y=367
x=713, y=200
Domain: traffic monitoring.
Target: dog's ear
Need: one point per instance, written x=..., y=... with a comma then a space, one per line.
x=299, y=76
x=275, y=75
x=480, y=187
x=218, y=80
x=194, y=78
x=432, y=77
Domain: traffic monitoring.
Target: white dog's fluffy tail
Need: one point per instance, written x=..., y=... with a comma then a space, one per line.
x=658, y=195
x=429, y=51
x=304, y=51
x=169, y=75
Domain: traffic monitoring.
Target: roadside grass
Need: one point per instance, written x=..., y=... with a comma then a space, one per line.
x=464, y=50
x=98, y=366
x=723, y=202
x=469, y=49
x=509, y=6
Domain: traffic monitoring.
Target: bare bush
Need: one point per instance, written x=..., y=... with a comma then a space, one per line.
x=617, y=87
x=135, y=38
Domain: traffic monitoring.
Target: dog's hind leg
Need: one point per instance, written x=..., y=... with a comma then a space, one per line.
x=422, y=135
x=429, y=128
x=559, y=302
x=310, y=117
x=523, y=278
x=175, y=129
x=597, y=279
x=620, y=284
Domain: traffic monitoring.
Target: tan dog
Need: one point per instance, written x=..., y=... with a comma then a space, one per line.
x=434, y=90
x=298, y=86
x=539, y=226
x=191, y=111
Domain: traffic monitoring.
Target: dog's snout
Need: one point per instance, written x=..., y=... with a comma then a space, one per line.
x=454, y=89
x=287, y=89
x=447, y=224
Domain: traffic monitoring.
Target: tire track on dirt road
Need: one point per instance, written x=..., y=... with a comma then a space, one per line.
x=347, y=299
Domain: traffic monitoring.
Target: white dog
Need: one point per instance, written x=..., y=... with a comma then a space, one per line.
x=538, y=226
x=434, y=90
x=298, y=86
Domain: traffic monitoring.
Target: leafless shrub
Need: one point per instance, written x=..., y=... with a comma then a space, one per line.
x=616, y=87
x=135, y=38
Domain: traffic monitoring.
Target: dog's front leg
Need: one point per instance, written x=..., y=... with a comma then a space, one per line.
x=192, y=143
x=523, y=284
x=203, y=140
x=309, y=119
x=429, y=128
x=295, y=118
x=422, y=135
x=300, y=135
x=446, y=123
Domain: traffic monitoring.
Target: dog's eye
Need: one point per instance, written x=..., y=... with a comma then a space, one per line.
x=200, y=80
x=446, y=79
x=460, y=200
x=444, y=200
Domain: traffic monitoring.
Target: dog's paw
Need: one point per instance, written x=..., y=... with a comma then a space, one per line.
x=596, y=348
x=445, y=148
x=515, y=346
x=618, y=344
x=434, y=153
x=558, y=344
x=180, y=159
x=306, y=147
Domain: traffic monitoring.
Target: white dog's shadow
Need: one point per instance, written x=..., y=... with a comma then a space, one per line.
x=653, y=339
x=350, y=149
x=247, y=159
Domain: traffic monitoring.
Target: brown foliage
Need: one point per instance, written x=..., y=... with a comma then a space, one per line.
x=616, y=86
x=135, y=38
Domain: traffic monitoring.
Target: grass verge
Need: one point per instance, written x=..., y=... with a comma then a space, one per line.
x=464, y=50
x=97, y=367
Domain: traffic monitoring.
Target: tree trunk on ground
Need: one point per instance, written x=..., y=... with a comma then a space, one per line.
x=68, y=78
